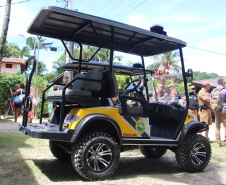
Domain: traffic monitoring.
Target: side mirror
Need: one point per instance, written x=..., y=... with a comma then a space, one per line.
x=189, y=75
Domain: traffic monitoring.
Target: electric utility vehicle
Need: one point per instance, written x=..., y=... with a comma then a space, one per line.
x=86, y=127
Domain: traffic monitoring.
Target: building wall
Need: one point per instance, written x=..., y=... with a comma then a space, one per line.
x=14, y=69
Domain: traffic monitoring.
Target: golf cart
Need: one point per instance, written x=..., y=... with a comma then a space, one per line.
x=86, y=127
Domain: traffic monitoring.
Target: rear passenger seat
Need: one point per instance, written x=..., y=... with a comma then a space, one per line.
x=81, y=87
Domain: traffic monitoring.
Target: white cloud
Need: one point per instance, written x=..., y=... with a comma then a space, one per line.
x=20, y=19
x=204, y=61
x=201, y=29
x=215, y=44
x=139, y=21
x=182, y=18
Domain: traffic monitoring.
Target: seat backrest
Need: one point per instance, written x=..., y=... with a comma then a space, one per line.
x=110, y=85
x=78, y=84
x=95, y=74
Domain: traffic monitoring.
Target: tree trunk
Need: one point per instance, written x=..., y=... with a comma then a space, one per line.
x=5, y=29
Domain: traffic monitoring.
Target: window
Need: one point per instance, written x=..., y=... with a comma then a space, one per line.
x=9, y=66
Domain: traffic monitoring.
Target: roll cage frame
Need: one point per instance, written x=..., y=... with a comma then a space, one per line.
x=112, y=43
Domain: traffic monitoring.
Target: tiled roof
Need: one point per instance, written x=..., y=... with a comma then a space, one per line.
x=13, y=60
x=212, y=81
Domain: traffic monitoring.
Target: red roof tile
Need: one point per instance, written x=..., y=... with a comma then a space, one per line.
x=13, y=60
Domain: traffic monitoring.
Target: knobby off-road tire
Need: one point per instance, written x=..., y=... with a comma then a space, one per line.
x=59, y=152
x=96, y=156
x=194, y=153
x=152, y=152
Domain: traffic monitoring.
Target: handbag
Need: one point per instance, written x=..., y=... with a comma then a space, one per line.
x=18, y=99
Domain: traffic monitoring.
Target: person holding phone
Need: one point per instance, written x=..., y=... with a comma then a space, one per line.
x=18, y=107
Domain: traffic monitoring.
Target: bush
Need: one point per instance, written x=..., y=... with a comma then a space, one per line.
x=8, y=81
x=12, y=81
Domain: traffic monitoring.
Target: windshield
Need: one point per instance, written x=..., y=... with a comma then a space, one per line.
x=167, y=89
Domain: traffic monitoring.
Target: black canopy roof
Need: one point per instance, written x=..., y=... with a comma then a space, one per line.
x=68, y=25
x=116, y=68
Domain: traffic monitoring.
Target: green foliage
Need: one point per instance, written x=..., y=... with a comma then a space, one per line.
x=60, y=61
x=169, y=56
x=49, y=77
x=41, y=84
x=41, y=68
x=13, y=50
x=12, y=81
x=179, y=85
x=197, y=75
x=6, y=82
x=121, y=79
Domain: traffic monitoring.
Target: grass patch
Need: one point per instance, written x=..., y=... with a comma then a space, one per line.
x=25, y=160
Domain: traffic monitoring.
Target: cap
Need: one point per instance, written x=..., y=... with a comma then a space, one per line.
x=159, y=85
x=193, y=87
x=171, y=85
x=66, y=74
x=205, y=83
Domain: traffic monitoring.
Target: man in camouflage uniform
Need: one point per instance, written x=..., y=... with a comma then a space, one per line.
x=204, y=106
x=173, y=94
x=220, y=115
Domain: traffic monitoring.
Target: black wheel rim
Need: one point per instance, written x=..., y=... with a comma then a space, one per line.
x=99, y=157
x=198, y=153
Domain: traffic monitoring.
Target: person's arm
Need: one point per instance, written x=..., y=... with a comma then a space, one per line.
x=172, y=101
x=16, y=92
x=205, y=97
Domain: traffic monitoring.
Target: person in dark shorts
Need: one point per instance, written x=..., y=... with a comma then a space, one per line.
x=18, y=107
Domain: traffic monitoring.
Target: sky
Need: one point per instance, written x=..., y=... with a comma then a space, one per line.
x=201, y=24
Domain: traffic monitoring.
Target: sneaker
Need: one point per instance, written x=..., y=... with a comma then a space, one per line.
x=219, y=144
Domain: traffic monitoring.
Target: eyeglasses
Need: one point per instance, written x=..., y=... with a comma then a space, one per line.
x=193, y=89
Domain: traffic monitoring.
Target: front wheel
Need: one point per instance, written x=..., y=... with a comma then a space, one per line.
x=96, y=156
x=194, y=153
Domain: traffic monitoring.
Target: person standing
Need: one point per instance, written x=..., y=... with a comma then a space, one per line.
x=31, y=113
x=65, y=81
x=204, y=106
x=173, y=94
x=193, y=101
x=160, y=94
x=18, y=106
x=218, y=104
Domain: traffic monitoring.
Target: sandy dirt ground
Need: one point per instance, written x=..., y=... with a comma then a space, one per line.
x=31, y=162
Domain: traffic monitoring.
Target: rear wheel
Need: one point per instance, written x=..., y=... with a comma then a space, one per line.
x=96, y=156
x=152, y=152
x=194, y=153
x=59, y=152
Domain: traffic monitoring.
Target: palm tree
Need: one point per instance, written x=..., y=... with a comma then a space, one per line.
x=5, y=29
x=24, y=52
x=33, y=43
x=160, y=60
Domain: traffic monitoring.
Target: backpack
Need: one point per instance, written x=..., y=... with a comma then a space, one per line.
x=193, y=102
x=217, y=104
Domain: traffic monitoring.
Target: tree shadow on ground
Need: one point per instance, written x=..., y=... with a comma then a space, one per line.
x=12, y=163
x=57, y=170
x=129, y=168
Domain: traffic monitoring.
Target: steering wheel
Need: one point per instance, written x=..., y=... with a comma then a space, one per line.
x=132, y=86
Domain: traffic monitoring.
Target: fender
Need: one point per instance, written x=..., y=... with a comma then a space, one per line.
x=193, y=127
x=90, y=118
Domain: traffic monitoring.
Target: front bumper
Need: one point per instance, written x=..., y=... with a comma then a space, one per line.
x=47, y=131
